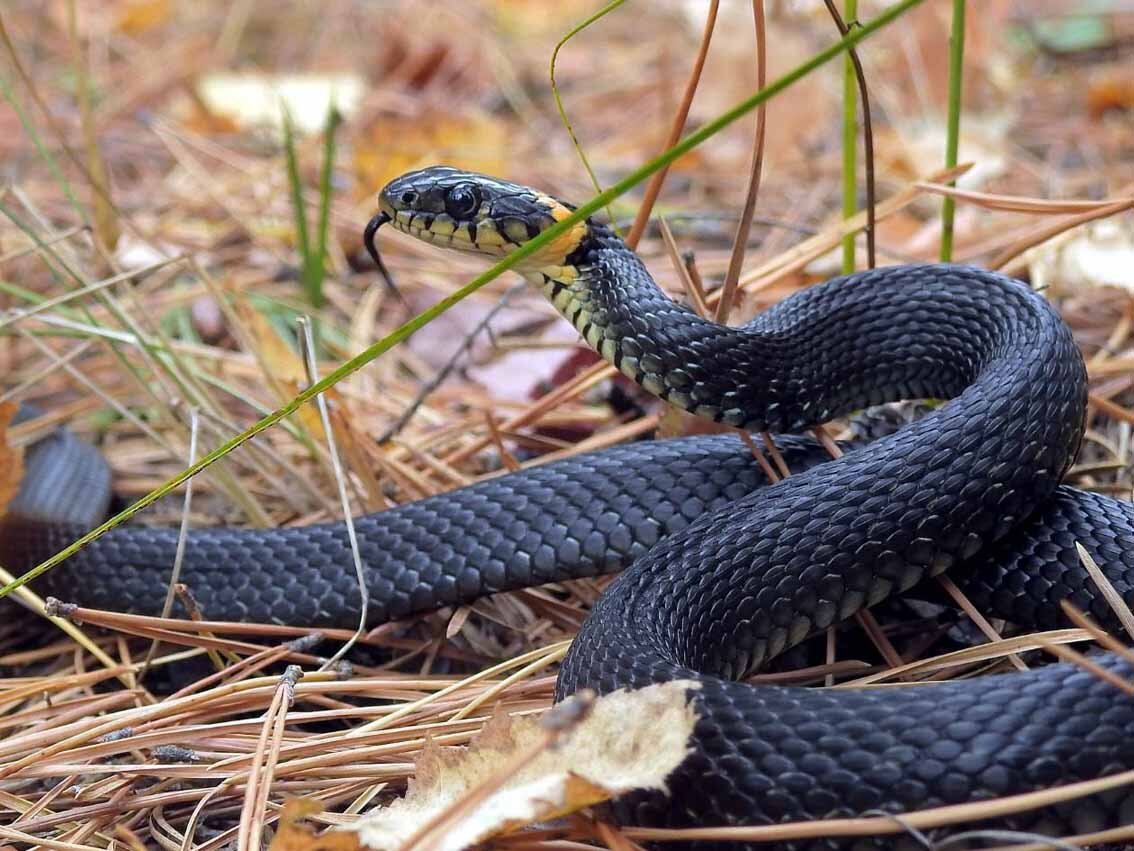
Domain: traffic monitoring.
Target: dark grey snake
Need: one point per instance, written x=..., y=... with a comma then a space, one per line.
x=725, y=573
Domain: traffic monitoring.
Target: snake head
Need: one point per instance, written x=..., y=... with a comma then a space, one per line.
x=464, y=210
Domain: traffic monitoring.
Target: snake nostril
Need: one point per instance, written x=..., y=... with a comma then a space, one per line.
x=409, y=196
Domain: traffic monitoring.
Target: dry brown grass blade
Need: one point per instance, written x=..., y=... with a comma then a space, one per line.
x=653, y=187
x=264, y=762
x=740, y=240
x=810, y=249
x=971, y=655
x=1107, y=589
x=976, y=617
x=1018, y=204
x=692, y=286
x=887, y=826
x=1009, y=258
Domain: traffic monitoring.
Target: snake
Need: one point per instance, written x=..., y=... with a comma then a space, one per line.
x=721, y=570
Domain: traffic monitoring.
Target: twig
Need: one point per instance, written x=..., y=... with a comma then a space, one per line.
x=867, y=137
x=740, y=240
x=430, y=386
x=653, y=188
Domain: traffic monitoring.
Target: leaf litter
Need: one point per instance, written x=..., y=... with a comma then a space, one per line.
x=92, y=752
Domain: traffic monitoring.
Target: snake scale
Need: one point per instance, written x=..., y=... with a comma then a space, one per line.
x=721, y=572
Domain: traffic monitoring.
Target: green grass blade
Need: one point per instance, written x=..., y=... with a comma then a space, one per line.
x=298, y=205
x=605, y=10
x=953, y=130
x=318, y=271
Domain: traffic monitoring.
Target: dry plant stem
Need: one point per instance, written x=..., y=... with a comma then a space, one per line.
x=182, y=534
x=771, y=475
x=832, y=653
x=612, y=837
x=692, y=290
x=867, y=134
x=1111, y=409
x=51, y=366
x=19, y=313
x=774, y=451
x=653, y=188
x=1096, y=632
x=36, y=604
x=1109, y=592
x=689, y=261
x=981, y=653
x=506, y=457
x=874, y=630
x=1020, y=203
x=740, y=240
x=62, y=236
x=340, y=482
x=976, y=617
x=800, y=255
x=262, y=772
x=1005, y=260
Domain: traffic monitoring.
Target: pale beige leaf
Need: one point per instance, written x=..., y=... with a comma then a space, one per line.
x=630, y=740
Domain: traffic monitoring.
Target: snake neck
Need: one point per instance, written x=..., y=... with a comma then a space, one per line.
x=787, y=370
x=604, y=290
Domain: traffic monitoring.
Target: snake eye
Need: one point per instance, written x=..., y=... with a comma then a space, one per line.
x=462, y=201
x=409, y=197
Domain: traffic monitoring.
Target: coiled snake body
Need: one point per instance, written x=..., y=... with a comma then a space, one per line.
x=725, y=573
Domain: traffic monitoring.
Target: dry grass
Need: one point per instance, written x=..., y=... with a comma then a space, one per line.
x=183, y=309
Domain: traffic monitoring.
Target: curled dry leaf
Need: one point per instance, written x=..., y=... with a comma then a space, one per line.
x=629, y=740
x=1098, y=255
x=11, y=460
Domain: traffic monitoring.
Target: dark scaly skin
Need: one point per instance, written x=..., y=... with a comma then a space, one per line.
x=974, y=482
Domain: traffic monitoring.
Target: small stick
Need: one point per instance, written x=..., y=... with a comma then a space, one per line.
x=740, y=241
x=772, y=475
x=774, y=451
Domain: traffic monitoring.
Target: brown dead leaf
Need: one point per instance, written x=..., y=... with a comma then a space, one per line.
x=395, y=144
x=284, y=366
x=293, y=835
x=1109, y=95
x=11, y=460
x=630, y=740
x=136, y=17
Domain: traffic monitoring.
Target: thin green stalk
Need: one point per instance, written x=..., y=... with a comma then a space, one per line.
x=605, y=10
x=318, y=270
x=298, y=204
x=529, y=248
x=850, y=145
x=953, y=131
